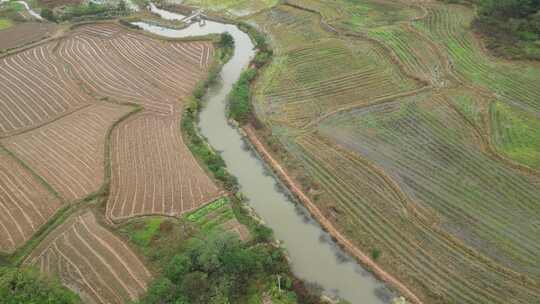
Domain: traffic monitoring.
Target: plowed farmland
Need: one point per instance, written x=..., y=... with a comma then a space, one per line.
x=125, y=67
x=24, y=33
x=153, y=170
x=91, y=261
x=26, y=204
x=412, y=141
x=68, y=134
x=35, y=88
x=69, y=153
x=162, y=177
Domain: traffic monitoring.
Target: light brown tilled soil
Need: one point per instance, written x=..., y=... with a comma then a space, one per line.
x=69, y=152
x=25, y=204
x=24, y=33
x=91, y=261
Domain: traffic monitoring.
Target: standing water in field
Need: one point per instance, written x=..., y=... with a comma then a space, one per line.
x=314, y=256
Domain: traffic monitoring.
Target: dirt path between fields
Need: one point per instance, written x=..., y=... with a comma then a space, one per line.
x=324, y=222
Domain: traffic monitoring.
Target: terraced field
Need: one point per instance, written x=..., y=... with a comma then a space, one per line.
x=153, y=171
x=130, y=68
x=431, y=159
x=26, y=204
x=297, y=90
x=69, y=153
x=488, y=205
x=91, y=261
x=514, y=83
x=66, y=135
x=35, y=88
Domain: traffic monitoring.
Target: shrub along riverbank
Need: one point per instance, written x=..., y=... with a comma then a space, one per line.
x=197, y=260
x=239, y=99
x=222, y=268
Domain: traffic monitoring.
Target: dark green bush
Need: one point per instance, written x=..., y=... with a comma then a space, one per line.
x=21, y=286
x=511, y=26
x=216, y=269
x=48, y=14
x=240, y=97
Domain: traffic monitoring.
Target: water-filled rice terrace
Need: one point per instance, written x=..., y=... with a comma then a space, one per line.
x=412, y=139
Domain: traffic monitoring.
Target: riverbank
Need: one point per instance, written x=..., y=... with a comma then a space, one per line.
x=316, y=213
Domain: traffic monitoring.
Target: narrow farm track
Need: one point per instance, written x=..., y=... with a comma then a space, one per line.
x=69, y=153
x=25, y=204
x=91, y=261
x=35, y=88
x=316, y=212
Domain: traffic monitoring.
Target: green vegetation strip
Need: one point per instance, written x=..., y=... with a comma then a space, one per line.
x=200, y=213
x=196, y=143
x=239, y=99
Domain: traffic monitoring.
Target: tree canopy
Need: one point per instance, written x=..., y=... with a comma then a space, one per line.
x=27, y=286
x=511, y=26
x=217, y=269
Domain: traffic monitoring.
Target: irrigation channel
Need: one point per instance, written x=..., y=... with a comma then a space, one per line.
x=314, y=256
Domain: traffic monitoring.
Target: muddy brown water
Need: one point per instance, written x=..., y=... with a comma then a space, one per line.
x=314, y=256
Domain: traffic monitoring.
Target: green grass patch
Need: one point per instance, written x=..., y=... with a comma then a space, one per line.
x=5, y=23
x=469, y=107
x=516, y=134
x=144, y=236
x=200, y=213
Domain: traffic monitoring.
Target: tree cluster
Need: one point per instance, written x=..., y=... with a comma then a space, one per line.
x=509, y=21
x=27, y=286
x=217, y=269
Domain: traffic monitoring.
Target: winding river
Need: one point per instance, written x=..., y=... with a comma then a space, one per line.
x=314, y=256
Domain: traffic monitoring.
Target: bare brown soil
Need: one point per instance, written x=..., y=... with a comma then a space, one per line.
x=25, y=204
x=58, y=102
x=153, y=171
x=35, y=88
x=24, y=33
x=69, y=153
x=91, y=261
